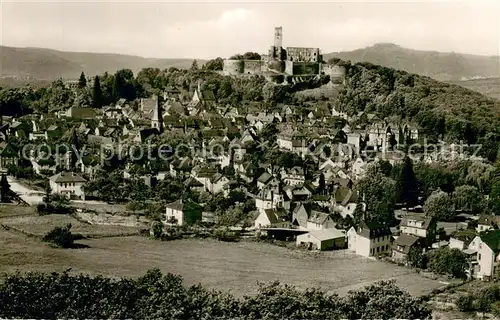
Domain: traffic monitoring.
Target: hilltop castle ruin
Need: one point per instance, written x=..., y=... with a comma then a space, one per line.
x=298, y=62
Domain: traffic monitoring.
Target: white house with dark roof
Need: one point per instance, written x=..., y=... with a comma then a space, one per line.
x=484, y=251
x=370, y=240
x=420, y=226
x=182, y=213
x=68, y=184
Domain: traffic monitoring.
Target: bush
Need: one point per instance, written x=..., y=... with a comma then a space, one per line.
x=157, y=296
x=53, y=208
x=465, y=303
x=60, y=236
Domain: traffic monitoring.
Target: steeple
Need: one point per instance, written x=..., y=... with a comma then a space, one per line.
x=157, y=120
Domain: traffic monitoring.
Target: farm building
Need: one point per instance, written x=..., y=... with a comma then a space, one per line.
x=325, y=239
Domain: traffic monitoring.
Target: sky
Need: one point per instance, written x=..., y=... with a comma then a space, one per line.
x=205, y=30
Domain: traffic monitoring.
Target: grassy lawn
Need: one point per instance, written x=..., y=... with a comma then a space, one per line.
x=40, y=225
x=235, y=267
x=15, y=210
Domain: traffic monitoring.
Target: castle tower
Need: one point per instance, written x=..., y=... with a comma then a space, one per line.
x=278, y=37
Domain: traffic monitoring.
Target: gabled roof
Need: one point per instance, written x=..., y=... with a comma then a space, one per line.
x=7, y=150
x=488, y=220
x=491, y=239
x=83, y=113
x=318, y=217
x=176, y=205
x=373, y=230
x=327, y=234
x=192, y=182
x=65, y=177
x=405, y=241
x=265, y=177
x=426, y=221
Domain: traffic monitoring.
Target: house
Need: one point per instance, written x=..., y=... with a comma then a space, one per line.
x=370, y=239
x=326, y=239
x=271, y=217
x=293, y=176
x=461, y=239
x=319, y=221
x=485, y=223
x=420, y=226
x=182, y=213
x=487, y=259
x=9, y=155
x=21, y=129
x=149, y=105
x=402, y=245
x=68, y=184
x=193, y=184
x=268, y=198
x=266, y=179
x=359, y=167
x=218, y=183
x=81, y=113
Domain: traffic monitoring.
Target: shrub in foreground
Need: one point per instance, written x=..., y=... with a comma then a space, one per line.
x=60, y=236
x=157, y=296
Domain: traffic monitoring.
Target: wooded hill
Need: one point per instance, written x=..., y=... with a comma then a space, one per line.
x=39, y=63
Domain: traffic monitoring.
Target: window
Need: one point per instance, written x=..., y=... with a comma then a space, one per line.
x=378, y=248
x=478, y=256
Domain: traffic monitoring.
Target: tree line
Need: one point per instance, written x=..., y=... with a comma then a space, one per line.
x=158, y=296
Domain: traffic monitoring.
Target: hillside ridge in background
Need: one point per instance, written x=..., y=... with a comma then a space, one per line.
x=479, y=73
x=49, y=64
x=444, y=66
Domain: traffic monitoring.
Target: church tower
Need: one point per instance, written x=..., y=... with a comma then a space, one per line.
x=157, y=119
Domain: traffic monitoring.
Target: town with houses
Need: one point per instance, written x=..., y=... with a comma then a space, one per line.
x=293, y=174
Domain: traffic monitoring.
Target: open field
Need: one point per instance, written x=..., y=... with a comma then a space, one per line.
x=15, y=210
x=40, y=225
x=236, y=267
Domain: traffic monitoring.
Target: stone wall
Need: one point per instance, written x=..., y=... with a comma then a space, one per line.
x=302, y=68
x=233, y=67
x=252, y=66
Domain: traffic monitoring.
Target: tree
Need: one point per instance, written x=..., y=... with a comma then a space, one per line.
x=321, y=184
x=440, y=206
x=82, y=82
x=416, y=258
x=60, y=236
x=468, y=198
x=269, y=132
x=97, y=95
x=448, y=261
x=4, y=189
x=378, y=192
x=214, y=64
x=83, y=99
x=407, y=184
x=194, y=66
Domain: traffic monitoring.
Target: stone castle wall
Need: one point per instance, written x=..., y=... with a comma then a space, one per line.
x=238, y=67
x=302, y=68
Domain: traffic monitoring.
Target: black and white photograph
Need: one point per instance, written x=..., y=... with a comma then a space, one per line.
x=281, y=160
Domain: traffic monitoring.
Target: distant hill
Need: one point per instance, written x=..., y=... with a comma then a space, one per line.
x=438, y=65
x=48, y=64
x=489, y=87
